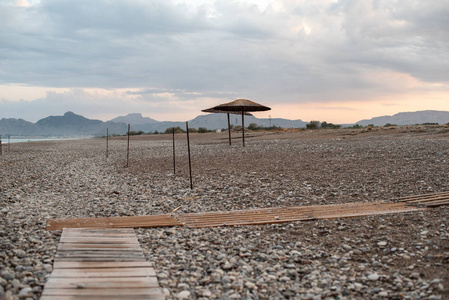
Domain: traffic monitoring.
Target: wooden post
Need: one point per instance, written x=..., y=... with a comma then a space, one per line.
x=243, y=126
x=229, y=130
x=127, y=152
x=188, y=150
x=174, y=164
x=1, y=151
x=9, y=143
x=107, y=142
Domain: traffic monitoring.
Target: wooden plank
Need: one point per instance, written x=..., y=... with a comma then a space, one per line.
x=88, y=253
x=113, y=222
x=104, y=272
x=437, y=203
x=82, y=240
x=427, y=199
x=98, y=259
x=406, y=198
x=102, y=292
x=101, y=283
x=76, y=246
x=90, y=265
x=107, y=297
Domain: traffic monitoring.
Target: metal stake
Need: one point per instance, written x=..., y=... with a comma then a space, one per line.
x=243, y=126
x=188, y=150
x=174, y=163
x=229, y=130
x=107, y=142
x=127, y=152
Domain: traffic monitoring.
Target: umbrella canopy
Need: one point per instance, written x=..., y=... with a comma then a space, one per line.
x=216, y=111
x=240, y=105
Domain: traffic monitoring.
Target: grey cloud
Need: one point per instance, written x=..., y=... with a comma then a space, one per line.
x=237, y=49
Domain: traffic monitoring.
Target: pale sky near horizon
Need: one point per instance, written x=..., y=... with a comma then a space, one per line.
x=336, y=61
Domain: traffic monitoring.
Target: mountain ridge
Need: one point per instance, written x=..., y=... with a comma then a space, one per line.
x=73, y=124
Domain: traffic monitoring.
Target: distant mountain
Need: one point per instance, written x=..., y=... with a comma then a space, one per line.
x=73, y=124
x=410, y=118
x=134, y=119
x=68, y=124
x=209, y=121
x=20, y=127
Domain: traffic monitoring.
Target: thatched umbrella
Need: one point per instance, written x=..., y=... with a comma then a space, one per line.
x=215, y=111
x=242, y=106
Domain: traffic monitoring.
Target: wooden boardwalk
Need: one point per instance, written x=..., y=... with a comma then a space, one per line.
x=292, y=214
x=101, y=264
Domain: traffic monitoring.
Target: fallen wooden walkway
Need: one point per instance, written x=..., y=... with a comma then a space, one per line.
x=113, y=222
x=427, y=200
x=291, y=214
x=101, y=264
x=260, y=216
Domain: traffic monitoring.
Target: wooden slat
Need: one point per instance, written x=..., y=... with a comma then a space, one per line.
x=406, y=198
x=105, y=297
x=437, y=203
x=72, y=246
x=113, y=222
x=99, y=283
x=90, y=265
x=427, y=199
x=86, y=240
x=104, y=272
x=103, y=292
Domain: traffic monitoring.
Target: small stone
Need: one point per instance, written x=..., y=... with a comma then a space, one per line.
x=7, y=275
x=373, y=277
x=383, y=294
x=25, y=292
x=166, y=292
x=48, y=268
x=250, y=285
x=183, y=295
x=382, y=244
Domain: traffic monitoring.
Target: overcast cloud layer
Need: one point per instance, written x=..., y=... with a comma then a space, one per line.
x=161, y=57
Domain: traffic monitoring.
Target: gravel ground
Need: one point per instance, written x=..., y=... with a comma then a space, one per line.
x=401, y=256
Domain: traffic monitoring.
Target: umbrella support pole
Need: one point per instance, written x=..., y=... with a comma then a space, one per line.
x=243, y=126
x=229, y=130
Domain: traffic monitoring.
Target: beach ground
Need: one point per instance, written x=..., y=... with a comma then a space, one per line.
x=395, y=256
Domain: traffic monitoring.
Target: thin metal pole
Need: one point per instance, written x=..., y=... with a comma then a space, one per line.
x=127, y=152
x=229, y=130
x=107, y=142
x=174, y=163
x=243, y=127
x=188, y=150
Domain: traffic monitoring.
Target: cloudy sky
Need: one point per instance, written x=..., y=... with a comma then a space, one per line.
x=339, y=61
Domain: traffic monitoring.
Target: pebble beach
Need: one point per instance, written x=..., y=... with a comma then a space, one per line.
x=394, y=256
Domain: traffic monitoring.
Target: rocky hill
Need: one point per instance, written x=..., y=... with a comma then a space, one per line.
x=68, y=124
x=73, y=124
x=409, y=118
